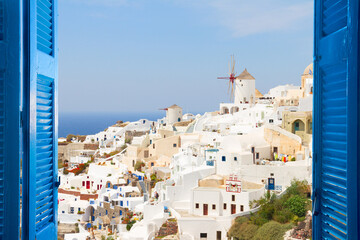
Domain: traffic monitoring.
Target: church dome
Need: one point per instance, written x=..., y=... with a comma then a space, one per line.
x=308, y=70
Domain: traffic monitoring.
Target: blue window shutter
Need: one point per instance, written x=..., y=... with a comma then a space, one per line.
x=41, y=86
x=9, y=119
x=336, y=108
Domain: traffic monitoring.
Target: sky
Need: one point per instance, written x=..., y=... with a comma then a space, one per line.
x=141, y=55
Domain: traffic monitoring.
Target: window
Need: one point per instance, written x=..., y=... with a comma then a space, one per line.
x=271, y=120
x=257, y=155
x=196, y=205
x=79, y=209
x=235, y=158
x=213, y=206
x=241, y=208
x=203, y=235
x=233, y=198
x=174, y=145
x=223, y=158
x=154, y=146
x=108, y=185
x=179, y=119
x=224, y=206
x=71, y=209
x=120, y=212
x=152, y=164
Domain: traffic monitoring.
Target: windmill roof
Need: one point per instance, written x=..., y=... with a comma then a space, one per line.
x=245, y=75
x=174, y=106
x=258, y=94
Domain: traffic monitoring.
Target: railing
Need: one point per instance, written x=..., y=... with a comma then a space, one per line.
x=277, y=187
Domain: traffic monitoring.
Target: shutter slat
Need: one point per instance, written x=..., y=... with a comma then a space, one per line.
x=44, y=26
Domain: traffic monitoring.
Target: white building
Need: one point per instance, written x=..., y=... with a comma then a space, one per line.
x=214, y=206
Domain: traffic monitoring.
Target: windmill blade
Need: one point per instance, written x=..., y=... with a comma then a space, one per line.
x=229, y=87
x=233, y=64
x=232, y=92
x=229, y=67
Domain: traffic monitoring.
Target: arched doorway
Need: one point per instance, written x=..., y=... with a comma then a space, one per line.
x=234, y=109
x=89, y=215
x=298, y=126
x=224, y=110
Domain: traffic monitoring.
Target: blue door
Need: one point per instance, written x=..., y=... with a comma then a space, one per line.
x=10, y=56
x=40, y=88
x=336, y=130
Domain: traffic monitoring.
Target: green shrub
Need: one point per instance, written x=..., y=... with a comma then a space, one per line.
x=297, y=205
x=130, y=224
x=243, y=231
x=241, y=220
x=274, y=212
x=298, y=188
x=271, y=231
x=283, y=216
x=258, y=220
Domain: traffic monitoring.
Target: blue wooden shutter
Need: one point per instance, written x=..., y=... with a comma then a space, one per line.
x=9, y=119
x=335, y=180
x=41, y=221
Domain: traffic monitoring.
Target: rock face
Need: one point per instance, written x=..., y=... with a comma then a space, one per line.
x=168, y=228
x=303, y=230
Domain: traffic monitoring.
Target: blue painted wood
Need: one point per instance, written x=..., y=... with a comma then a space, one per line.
x=41, y=74
x=9, y=119
x=336, y=130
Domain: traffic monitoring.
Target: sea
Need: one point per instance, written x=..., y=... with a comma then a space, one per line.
x=92, y=123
